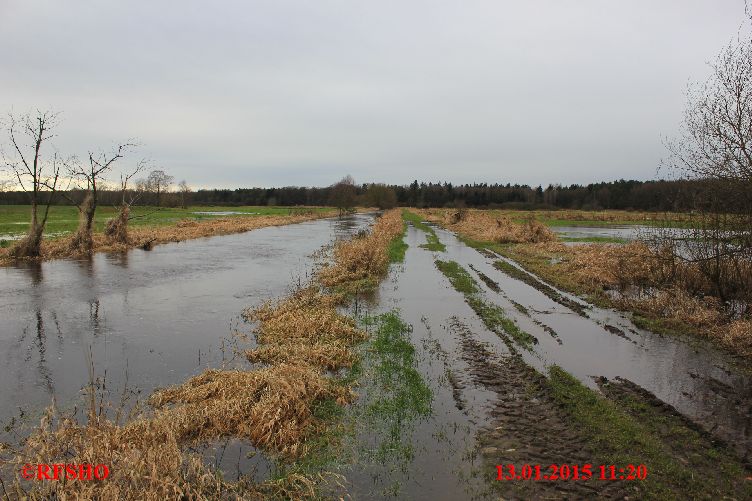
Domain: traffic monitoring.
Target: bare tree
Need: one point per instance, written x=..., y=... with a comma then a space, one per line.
x=185, y=190
x=116, y=229
x=343, y=194
x=92, y=173
x=715, y=147
x=158, y=182
x=38, y=178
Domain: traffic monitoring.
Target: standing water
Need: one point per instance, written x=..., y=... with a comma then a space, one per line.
x=142, y=319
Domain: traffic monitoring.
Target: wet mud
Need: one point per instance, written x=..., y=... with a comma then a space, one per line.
x=529, y=427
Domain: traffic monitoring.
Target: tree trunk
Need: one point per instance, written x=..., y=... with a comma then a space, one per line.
x=83, y=241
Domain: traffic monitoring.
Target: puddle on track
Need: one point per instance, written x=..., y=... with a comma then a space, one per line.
x=165, y=314
x=701, y=383
x=445, y=462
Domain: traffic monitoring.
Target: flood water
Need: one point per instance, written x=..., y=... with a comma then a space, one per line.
x=155, y=318
x=149, y=319
x=621, y=232
x=703, y=383
x=444, y=461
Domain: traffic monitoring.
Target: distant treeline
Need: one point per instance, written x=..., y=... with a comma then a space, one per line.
x=675, y=195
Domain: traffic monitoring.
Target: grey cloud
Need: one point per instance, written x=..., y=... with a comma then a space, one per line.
x=294, y=92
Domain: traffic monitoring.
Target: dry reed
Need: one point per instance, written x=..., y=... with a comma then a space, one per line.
x=364, y=258
x=650, y=281
x=305, y=328
x=270, y=407
x=488, y=227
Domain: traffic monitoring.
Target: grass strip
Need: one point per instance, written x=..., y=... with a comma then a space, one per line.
x=621, y=439
x=546, y=289
x=492, y=315
x=398, y=247
x=460, y=279
x=433, y=242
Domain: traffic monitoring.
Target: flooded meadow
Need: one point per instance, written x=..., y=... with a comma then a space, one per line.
x=470, y=362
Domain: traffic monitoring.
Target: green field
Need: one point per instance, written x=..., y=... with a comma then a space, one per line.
x=14, y=219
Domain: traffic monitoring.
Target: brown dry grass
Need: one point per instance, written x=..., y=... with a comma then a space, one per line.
x=148, y=465
x=489, y=227
x=651, y=282
x=270, y=407
x=361, y=262
x=154, y=235
x=305, y=328
x=645, y=281
x=299, y=338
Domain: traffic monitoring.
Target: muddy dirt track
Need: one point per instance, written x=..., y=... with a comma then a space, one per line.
x=496, y=394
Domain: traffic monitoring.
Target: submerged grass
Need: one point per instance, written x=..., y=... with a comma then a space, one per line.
x=492, y=315
x=460, y=279
x=432, y=240
x=497, y=321
x=400, y=395
x=398, y=247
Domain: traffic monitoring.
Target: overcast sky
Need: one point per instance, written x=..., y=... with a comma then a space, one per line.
x=278, y=92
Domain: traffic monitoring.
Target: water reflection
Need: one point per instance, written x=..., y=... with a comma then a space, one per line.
x=158, y=316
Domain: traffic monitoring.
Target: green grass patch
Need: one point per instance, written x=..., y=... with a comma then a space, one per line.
x=433, y=242
x=460, y=279
x=398, y=247
x=395, y=397
x=14, y=219
x=395, y=370
x=495, y=319
x=620, y=439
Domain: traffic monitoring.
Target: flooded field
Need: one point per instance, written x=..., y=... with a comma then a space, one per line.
x=615, y=233
x=148, y=319
x=469, y=370
x=467, y=395
x=590, y=342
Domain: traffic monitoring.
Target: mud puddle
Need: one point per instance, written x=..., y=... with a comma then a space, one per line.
x=590, y=342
